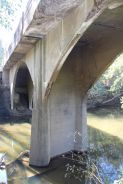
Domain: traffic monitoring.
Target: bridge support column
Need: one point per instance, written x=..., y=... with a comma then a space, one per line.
x=40, y=138
x=81, y=137
x=67, y=106
x=40, y=148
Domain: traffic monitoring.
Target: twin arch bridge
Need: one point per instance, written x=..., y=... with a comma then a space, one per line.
x=58, y=51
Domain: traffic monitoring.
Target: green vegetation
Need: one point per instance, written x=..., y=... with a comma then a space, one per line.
x=110, y=84
x=8, y=9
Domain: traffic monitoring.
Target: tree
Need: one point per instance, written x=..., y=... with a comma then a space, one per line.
x=115, y=76
x=8, y=8
x=110, y=84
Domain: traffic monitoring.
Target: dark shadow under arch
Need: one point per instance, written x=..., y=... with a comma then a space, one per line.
x=23, y=89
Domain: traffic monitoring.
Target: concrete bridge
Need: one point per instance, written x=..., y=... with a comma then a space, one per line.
x=59, y=50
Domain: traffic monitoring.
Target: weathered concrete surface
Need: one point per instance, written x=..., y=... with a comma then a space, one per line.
x=67, y=114
x=36, y=22
x=64, y=59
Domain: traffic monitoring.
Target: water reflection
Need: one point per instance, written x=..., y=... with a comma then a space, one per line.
x=108, y=154
x=106, y=145
x=14, y=139
x=106, y=135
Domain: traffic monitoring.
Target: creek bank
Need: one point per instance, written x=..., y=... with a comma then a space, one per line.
x=103, y=101
x=6, y=114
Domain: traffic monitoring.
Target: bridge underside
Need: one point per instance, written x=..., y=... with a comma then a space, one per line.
x=63, y=66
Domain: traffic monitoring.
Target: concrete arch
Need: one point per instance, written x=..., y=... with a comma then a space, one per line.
x=73, y=77
x=89, y=41
x=64, y=50
x=25, y=74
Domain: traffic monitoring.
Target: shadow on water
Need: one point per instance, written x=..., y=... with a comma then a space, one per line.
x=13, y=120
x=53, y=174
x=107, y=112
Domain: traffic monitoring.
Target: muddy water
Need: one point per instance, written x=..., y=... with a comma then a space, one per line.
x=106, y=136
x=105, y=128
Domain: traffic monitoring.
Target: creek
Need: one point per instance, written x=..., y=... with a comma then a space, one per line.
x=105, y=129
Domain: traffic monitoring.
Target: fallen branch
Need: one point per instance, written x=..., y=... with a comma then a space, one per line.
x=18, y=157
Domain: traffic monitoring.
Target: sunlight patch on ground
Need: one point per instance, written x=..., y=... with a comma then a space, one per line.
x=14, y=138
x=108, y=125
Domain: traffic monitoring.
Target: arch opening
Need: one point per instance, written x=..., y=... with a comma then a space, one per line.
x=23, y=90
x=104, y=120
x=89, y=58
